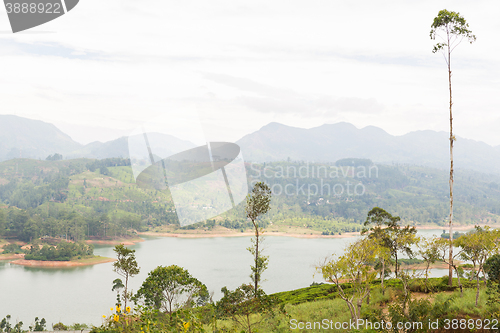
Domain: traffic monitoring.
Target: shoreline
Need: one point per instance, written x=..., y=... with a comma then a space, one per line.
x=296, y=235
x=10, y=256
x=124, y=241
x=60, y=264
x=245, y=234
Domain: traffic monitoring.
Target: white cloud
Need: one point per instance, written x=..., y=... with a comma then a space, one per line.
x=113, y=63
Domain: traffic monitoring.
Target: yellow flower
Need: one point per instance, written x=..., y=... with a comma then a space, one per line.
x=116, y=317
x=104, y=316
x=127, y=309
x=118, y=308
x=186, y=326
x=111, y=309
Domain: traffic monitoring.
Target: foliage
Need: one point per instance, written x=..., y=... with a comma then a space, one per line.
x=309, y=294
x=353, y=267
x=117, y=285
x=243, y=304
x=492, y=268
x=64, y=251
x=455, y=29
x=170, y=288
x=6, y=326
x=477, y=247
x=418, y=311
x=257, y=204
x=39, y=325
x=428, y=249
x=78, y=326
x=389, y=234
x=55, y=157
x=126, y=266
x=12, y=248
x=145, y=319
x=59, y=327
x=95, y=206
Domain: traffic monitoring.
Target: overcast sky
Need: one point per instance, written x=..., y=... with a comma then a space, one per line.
x=106, y=66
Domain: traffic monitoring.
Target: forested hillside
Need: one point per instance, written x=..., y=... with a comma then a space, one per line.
x=83, y=198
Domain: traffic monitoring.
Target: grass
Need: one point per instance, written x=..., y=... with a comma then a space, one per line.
x=92, y=260
x=319, y=302
x=466, y=305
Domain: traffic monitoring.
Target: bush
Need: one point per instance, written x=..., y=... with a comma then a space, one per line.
x=59, y=327
x=12, y=248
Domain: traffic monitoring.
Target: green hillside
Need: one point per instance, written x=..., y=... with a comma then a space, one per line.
x=85, y=198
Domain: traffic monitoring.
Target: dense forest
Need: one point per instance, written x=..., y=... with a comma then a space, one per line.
x=84, y=198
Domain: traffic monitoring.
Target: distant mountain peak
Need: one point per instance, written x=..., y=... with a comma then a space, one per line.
x=332, y=142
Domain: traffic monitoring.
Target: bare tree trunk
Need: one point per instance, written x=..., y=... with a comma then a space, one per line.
x=383, y=275
x=257, y=277
x=477, y=287
x=396, y=264
x=427, y=276
x=126, y=285
x=358, y=315
x=249, y=324
x=459, y=283
x=450, y=273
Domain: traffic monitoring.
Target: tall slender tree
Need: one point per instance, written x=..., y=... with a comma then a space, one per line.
x=258, y=203
x=452, y=29
x=126, y=266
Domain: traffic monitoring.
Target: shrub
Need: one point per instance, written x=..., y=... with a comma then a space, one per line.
x=59, y=327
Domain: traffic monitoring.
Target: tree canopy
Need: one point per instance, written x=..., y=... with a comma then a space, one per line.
x=170, y=288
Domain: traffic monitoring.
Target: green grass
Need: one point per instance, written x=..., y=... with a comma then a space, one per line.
x=316, y=292
x=301, y=306
x=122, y=173
x=466, y=305
x=91, y=260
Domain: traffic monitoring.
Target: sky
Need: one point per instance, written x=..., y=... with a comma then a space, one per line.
x=106, y=67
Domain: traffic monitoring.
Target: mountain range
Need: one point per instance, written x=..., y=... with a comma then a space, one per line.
x=331, y=142
x=22, y=137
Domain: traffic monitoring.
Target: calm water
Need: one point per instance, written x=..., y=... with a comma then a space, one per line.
x=83, y=294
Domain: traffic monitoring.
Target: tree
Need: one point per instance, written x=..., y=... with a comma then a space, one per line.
x=353, y=267
x=455, y=29
x=384, y=261
x=258, y=203
x=492, y=268
x=428, y=249
x=444, y=249
x=3, y=223
x=165, y=286
x=55, y=157
x=477, y=247
x=389, y=233
x=117, y=285
x=242, y=304
x=39, y=325
x=126, y=266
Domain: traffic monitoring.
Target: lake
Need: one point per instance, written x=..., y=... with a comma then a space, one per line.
x=83, y=294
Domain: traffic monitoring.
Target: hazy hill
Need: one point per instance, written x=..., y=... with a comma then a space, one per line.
x=21, y=137
x=161, y=145
x=27, y=138
x=331, y=142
